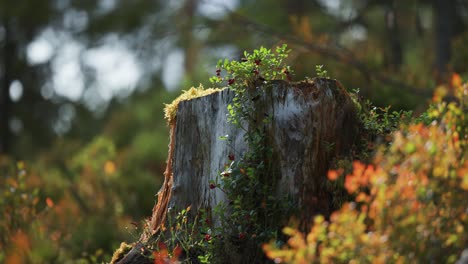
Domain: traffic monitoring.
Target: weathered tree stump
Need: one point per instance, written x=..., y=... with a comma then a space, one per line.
x=312, y=123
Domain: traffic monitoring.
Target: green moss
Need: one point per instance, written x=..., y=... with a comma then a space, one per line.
x=120, y=252
x=170, y=110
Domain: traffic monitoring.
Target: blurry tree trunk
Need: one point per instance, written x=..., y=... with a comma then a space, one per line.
x=188, y=39
x=447, y=23
x=5, y=70
x=298, y=7
x=312, y=123
x=395, y=57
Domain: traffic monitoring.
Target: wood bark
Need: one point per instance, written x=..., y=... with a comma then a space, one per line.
x=312, y=122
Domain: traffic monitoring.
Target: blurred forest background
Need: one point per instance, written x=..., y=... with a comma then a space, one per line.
x=83, y=84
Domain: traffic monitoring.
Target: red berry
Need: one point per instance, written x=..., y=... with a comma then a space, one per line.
x=231, y=156
x=288, y=77
x=258, y=62
x=207, y=237
x=231, y=81
x=212, y=185
x=256, y=72
x=241, y=235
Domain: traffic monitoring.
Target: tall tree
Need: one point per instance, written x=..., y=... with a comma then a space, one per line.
x=393, y=38
x=448, y=24
x=20, y=22
x=5, y=101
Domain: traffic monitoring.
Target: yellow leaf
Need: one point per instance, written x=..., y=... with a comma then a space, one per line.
x=109, y=167
x=319, y=219
x=464, y=183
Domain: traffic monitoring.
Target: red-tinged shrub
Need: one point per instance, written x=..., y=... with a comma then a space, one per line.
x=410, y=205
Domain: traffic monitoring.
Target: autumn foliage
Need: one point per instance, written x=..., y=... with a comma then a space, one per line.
x=410, y=205
x=48, y=218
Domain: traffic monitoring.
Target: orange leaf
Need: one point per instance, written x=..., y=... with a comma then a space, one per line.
x=160, y=256
x=362, y=197
x=350, y=183
x=176, y=253
x=49, y=202
x=334, y=174
x=456, y=80
x=358, y=167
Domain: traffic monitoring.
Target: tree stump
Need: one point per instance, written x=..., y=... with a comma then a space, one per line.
x=312, y=123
